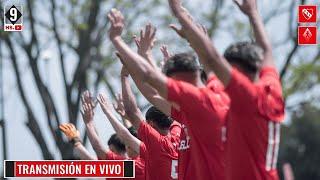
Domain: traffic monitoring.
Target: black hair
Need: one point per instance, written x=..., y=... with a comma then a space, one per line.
x=159, y=118
x=182, y=62
x=117, y=143
x=204, y=76
x=246, y=54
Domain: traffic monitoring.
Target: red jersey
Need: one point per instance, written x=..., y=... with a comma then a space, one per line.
x=139, y=168
x=253, y=127
x=113, y=156
x=202, y=115
x=139, y=164
x=161, y=155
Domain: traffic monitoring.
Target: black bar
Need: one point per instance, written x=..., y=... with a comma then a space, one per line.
x=9, y=168
x=128, y=169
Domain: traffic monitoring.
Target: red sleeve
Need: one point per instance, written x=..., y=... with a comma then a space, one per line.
x=113, y=156
x=184, y=94
x=270, y=100
x=143, y=151
x=176, y=115
x=241, y=90
x=149, y=136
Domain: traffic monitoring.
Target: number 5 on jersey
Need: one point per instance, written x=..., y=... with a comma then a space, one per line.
x=174, y=169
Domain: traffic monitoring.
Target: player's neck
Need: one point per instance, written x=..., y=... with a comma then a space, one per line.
x=254, y=77
x=192, y=78
x=163, y=132
x=123, y=154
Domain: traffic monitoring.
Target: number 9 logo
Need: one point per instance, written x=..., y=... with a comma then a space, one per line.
x=13, y=14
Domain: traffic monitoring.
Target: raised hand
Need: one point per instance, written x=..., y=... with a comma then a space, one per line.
x=181, y=31
x=117, y=24
x=104, y=104
x=87, y=97
x=70, y=131
x=119, y=106
x=146, y=40
x=166, y=54
x=87, y=113
x=247, y=6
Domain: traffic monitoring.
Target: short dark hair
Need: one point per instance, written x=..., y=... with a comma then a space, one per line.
x=117, y=143
x=159, y=118
x=182, y=62
x=204, y=76
x=246, y=54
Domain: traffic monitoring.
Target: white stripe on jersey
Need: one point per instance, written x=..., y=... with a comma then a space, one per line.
x=277, y=143
x=270, y=146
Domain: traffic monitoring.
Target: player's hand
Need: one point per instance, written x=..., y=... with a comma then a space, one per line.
x=146, y=40
x=203, y=29
x=87, y=113
x=104, y=104
x=70, y=131
x=117, y=24
x=248, y=7
x=182, y=32
x=179, y=31
x=119, y=106
x=87, y=97
x=166, y=54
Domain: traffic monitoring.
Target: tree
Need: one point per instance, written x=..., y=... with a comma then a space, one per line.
x=300, y=143
x=77, y=30
x=81, y=32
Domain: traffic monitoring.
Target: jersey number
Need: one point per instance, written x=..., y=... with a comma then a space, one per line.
x=273, y=145
x=174, y=167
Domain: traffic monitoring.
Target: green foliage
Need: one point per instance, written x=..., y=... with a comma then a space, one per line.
x=303, y=77
x=300, y=143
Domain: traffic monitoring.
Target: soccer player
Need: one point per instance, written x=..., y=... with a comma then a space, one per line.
x=132, y=143
x=117, y=148
x=257, y=108
x=202, y=110
x=162, y=156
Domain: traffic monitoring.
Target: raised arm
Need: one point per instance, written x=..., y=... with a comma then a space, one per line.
x=249, y=7
x=87, y=116
x=136, y=65
x=130, y=105
x=73, y=136
x=121, y=131
x=150, y=93
x=145, y=44
x=201, y=43
x=119, y=108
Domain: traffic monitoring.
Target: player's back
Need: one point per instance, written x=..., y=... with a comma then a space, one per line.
x=202, y=115
x=253, y=126
x=162, y=156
